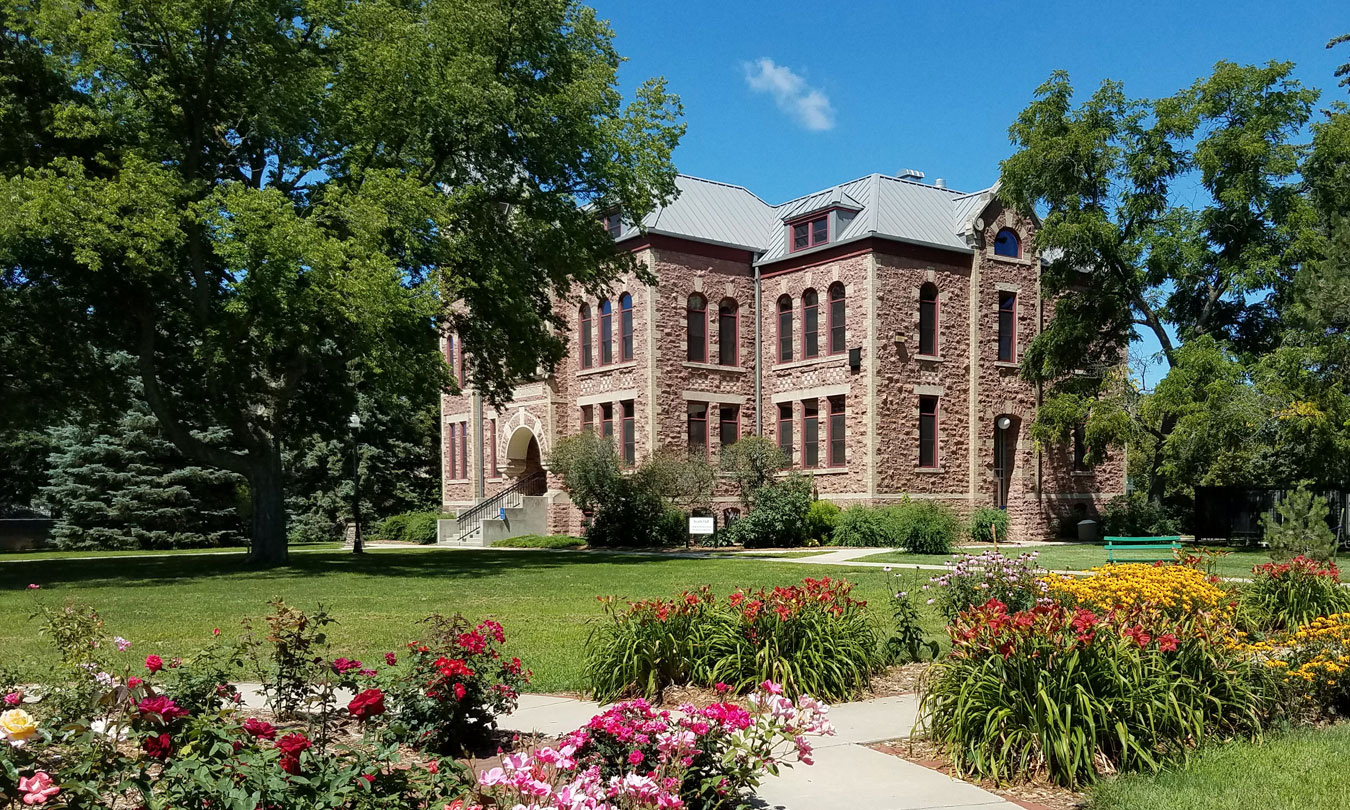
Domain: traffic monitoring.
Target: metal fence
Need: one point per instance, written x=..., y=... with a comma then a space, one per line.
x=1234, y=513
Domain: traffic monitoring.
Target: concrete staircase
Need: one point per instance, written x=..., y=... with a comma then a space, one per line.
x=509, y=513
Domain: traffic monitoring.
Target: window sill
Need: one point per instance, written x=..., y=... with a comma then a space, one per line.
x=1006, y=364
x=929, y=470
x=1023, y=260
x=586, y=372
x=924, y=358
x=814, y=361
x=714, y=367
x=825, y=470
x=1083, y=473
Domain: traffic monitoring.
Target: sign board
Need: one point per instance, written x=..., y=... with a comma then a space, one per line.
x=702, y=525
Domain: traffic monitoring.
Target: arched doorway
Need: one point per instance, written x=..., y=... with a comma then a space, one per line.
x=1006, y=428
x=523, y=457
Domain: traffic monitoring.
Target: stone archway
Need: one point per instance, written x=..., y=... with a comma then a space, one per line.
x=523, y=455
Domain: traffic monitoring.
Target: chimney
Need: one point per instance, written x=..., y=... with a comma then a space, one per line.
x=938, y=182
x=910, y=174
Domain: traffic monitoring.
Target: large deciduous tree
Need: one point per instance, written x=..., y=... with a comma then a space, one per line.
x=269, y=202
x=1183, y=216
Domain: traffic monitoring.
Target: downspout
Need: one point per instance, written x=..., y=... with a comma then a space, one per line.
x=759, y=355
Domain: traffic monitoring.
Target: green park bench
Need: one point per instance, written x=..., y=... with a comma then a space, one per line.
x=1152, y=548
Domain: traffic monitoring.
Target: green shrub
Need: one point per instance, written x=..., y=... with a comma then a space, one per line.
x=1300, y=527
x=647, y=646
x=820, y=520
x=541, y=541
x=927, y=527
x=988, y=524
x=1135, y=515
x=867, y=526
x=392, y=528
x=635, y=516
x=1283, y=596
x=420, y=527
x=779, y=516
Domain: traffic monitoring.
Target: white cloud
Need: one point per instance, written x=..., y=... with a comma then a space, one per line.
x=809, y=106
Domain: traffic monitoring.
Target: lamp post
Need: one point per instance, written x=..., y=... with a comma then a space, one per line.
x=355, y=424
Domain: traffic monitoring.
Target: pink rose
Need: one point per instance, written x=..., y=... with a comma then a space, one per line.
x=154, y=663
x=38, y=788
x=14, y=698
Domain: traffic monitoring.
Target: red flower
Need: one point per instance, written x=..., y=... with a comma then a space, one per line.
x=260, y=728
x=157, y=747
x=390, y=659
x=1138, y=635
x=344, y=665
x=1167, y=642
x=472, y=643
x=154, y=663
x=293, y=744
x=367, y=704
x=133, y=682
x=452, y=668
x=162, y=707
x=460, y=691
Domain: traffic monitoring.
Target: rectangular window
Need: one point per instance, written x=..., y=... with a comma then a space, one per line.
x=463, y=449
x=698, y=427
x=810, y=325
x=1007, y=327
x=491, y=449
x=453, y=451
x=588, y=417
x=928, y=416
x=729, y=424
x=613, y=223
x=607, y=420
x=785, y=331
x=811, y=233
x=820, y=231
x=801, y=236
x=1080, y=449
x=629, y=433
x=837, y=434
x=810, y=434
x=785, y=430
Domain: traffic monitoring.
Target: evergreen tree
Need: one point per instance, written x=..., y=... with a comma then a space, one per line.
x=127, y=487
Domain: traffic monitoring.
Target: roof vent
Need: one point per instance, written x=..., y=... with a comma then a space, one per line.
x=910, y=174
x=938, y=182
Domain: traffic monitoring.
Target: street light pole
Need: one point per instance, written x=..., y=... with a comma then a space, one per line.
x=355, y=424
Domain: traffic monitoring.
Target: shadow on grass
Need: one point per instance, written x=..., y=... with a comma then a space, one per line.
x=383, y=564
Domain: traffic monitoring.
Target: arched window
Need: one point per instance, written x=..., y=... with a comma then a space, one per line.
x=1006, y=243
x=696, y=321
x=837, y=318
x=728, y=332
x=810, y=324
x=606, y=332
x=584, y=344
x=625, y=327
x=928, y=320
x=785, y=329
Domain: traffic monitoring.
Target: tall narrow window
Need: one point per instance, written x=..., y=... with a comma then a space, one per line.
x=625, y=327
x=1080, y=448
x=928, y=320
x=459, y=364
x=728, y=424
x=728, y=332
x=1007, y=326
x=607, y=420
x=810, y=434
x=810, y=324
x=837, y=436
x=453, y=450
x=584, y=336
x=463, y=449
x=606, y=332
x=629, y=434
x=450, y=356
x=698, y=428
x=785, y=430
x=491, y=449
x=1006, y=243
x=588, y=417
x=696, y=329
x=837, y=331
x=784, y=329
x=928, y=417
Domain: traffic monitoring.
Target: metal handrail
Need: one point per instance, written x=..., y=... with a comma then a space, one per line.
x=511, y=497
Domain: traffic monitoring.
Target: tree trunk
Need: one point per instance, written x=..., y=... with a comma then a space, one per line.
x=1155, y=479
x=268, y=529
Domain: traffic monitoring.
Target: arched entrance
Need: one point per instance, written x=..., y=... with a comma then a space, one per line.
x=523, y=457
x=1006, y=428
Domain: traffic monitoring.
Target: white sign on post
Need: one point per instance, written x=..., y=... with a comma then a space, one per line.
x=702, y=526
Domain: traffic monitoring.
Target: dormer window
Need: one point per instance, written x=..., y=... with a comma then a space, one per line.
x=613, y=223
x=811, y=232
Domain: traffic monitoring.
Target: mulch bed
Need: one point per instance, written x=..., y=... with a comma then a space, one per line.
x=1032, y=795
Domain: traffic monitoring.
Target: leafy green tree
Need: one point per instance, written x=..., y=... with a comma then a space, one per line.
x=754, y=462
x=1125, y=250
x=268, y=203
x=588, y=467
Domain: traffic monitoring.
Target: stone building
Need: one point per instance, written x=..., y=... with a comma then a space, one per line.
x=873, y=330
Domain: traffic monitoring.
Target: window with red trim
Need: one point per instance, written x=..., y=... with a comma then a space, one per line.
x=613, y=223
x=728, y=424
x=728, y=332
x=810, y=233
x=606, y=332
x=1007, y=244
x=785, y=430
x=696, y=329
x=625, y=327
x=463, y=449
x=837, y=323
x=784, y=329
x=1007, y=326
x=628, y=432
x=698, y=428
x=837, y=435
x=607, y=420
x=588, y=417
x=928, y=320
x=810, y=434
x=584, y=336
x=453, y=451
x=810, y=324
x=928, y=417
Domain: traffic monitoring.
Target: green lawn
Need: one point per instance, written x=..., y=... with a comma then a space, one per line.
x=20, y=556
x=169, y=604
x=1299, y=771
x=1080, y=558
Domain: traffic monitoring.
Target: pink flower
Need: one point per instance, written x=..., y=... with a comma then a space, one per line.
x=38, y=788
x=215, y=632
x=154, y=663
x=122, y=644
x=771, y=687
x=14, y=698
x=162, y=706
x=390, y=659
x=34, y=587
x=635, y=757
x=344, y=665
x=721, y=688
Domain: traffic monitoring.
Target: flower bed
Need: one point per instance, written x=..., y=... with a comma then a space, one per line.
x=1312, y=663
x=812, y=638
x=1177, y=590
x=1286, y=595
x=973, y=579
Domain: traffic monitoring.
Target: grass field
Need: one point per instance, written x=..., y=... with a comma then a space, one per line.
x=19, y=556
x=1305, y=770
x=1080, y=558
x=169, y=604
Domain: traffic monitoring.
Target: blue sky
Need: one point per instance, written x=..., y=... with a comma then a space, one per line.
x=788, y=97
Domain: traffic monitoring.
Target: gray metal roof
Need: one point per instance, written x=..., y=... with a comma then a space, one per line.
x=886, y=206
